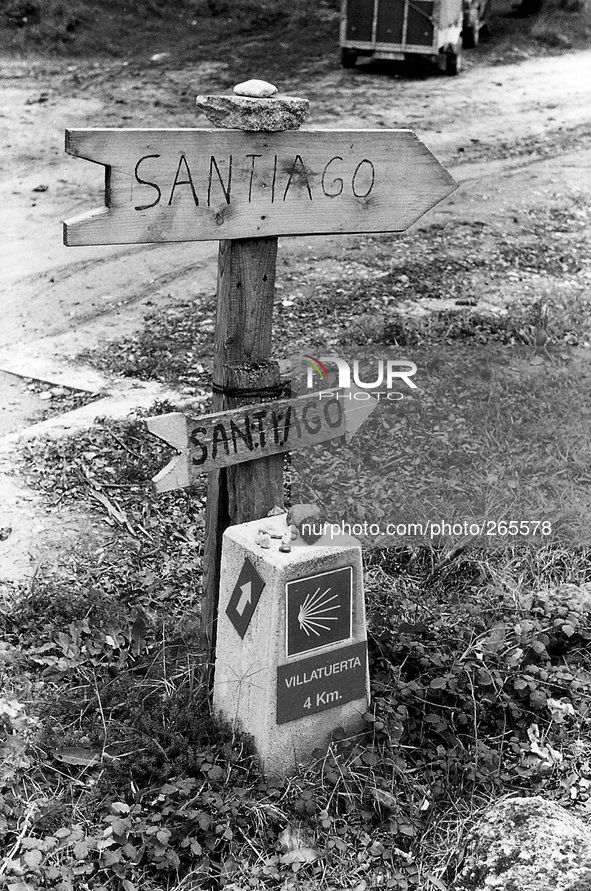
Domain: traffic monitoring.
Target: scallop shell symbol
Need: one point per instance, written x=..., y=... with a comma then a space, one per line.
x=316, y=610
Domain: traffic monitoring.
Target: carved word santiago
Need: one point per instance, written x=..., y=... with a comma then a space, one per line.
x=194, y=185
x=210, y=442
x=264, y=428
x=222, y=178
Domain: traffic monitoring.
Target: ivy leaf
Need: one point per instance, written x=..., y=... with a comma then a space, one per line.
x=559, y=709
x=163, y=836
x=295, y=847
x=537, y=698
x=370, y=758
x=385, y=799
x=120, y=807
x=33, y=859
x=110, y=858
x=81, y=849
x=130, y=851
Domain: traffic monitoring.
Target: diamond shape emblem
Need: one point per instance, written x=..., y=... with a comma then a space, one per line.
x=245, y=597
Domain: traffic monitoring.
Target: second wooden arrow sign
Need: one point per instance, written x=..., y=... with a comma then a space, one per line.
x=209, y=442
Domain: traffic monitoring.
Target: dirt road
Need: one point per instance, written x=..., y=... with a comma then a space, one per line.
x=513, y=136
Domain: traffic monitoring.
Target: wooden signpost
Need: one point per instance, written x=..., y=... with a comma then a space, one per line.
x=210, y=442
x=245, y=186
x=203, y=185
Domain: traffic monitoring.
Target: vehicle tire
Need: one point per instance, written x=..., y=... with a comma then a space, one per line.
x=453, y=62
x=470, y=35
x=414, y=66
x=348, y=58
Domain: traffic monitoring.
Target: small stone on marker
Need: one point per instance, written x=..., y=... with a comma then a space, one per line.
x=270, y=530
x=256, y=89
x=285, y=546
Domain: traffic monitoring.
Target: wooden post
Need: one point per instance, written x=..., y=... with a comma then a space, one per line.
x=242, y=372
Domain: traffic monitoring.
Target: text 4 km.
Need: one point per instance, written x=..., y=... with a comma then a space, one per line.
x=323, y=699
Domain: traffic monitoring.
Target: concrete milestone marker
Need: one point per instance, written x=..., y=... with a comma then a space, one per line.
x=299, y=667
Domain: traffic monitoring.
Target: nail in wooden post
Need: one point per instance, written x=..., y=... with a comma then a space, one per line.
x=242, y=370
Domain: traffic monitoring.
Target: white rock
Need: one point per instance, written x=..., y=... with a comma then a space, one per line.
x=285, y=546
x=263, y=540
x=257, y=89
x=526, y=844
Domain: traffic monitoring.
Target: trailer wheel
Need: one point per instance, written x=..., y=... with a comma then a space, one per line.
x=453, y=62
x=470, y=35
x=348, y=58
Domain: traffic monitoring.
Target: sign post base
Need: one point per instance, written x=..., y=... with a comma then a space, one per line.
x=291, y=659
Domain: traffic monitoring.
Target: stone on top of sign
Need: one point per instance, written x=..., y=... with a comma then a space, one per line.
x=256, y=89
x=254, y=113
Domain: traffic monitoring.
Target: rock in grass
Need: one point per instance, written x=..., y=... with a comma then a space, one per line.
x=527, y=844
x=256, y=89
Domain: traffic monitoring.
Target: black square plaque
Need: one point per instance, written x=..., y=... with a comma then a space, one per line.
x=318, y=610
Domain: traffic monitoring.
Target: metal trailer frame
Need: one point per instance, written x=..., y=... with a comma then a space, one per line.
x=445, y=18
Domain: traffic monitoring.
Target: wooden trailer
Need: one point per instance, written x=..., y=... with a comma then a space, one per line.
x=402, y=30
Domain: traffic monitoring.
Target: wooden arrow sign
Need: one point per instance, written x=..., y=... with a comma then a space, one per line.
x=200, y=185
x=210, y=442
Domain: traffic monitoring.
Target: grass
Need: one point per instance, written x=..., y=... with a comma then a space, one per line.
x=118, y=777
x=488, y=438
x=499, y=330
x=470, y=283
